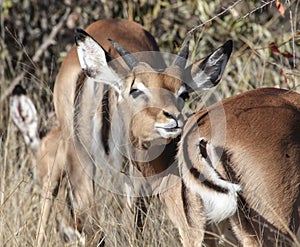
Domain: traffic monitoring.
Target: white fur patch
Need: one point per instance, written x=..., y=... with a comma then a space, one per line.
x=170, y=129
x=180, y=91
x=71, y=235
x=218, y=206
x=90, y=54
x=165, y=133
x=24, y=116
x=140, y=86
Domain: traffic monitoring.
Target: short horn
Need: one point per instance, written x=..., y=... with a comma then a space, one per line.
x=128, y=58
x=182, y=56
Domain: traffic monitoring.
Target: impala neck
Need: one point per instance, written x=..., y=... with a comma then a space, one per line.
x=161, y=161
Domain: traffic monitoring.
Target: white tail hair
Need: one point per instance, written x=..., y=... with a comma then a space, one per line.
x=24, y=116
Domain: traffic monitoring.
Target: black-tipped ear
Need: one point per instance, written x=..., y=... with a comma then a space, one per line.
x=91, y=55
x=209, y=72
x=227, y=47
x=80, y=35
x=19, y=90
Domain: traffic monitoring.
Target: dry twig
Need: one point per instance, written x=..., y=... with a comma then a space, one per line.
x=48, y=42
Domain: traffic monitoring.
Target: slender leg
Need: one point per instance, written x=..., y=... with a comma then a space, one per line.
x=220, y=234
x=50, y=160
x=80, y=176
x=185, y=210
x=253, y=230
x=244, y=231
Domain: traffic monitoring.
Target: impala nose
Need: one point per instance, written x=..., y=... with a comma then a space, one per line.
x=169, y=115
x=178, y=119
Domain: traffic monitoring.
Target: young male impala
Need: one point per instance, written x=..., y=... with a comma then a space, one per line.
x=115, y=113
x=242, y=156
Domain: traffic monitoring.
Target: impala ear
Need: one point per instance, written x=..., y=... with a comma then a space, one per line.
x=93, y=59
x=92, y=56
x=208, y=73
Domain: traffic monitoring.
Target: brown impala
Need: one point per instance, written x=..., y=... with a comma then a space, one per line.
x=112, y=113
x=242, y=156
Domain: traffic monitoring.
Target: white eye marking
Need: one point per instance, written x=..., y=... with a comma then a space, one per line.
x=140, y=86
x=180, y=91
x=183, y=93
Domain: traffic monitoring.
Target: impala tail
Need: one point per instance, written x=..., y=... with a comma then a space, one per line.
x=24, y=116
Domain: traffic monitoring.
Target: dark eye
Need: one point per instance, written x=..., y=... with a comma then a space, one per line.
x=184, y=96
x=134, y=92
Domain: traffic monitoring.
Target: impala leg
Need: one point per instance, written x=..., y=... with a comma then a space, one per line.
x=253, y=230
x=140, y=214
x=244, y=231
x=50, y=160
x=184, y=209
x=61, y=205
x=82, y=199
x=295, y=220
x=47, y=203
x=220, y=234
x=252, y=233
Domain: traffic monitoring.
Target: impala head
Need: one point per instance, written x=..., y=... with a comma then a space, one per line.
x=151, y=100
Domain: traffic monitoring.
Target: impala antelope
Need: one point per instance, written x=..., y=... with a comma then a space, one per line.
x=114, y=113
x=242, y=156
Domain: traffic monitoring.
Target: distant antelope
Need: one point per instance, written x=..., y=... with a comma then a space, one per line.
x=48, y=159
x=114, y=113
x=242, y=156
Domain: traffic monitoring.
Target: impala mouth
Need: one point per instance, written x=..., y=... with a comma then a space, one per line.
x=169, y=132
x=169, y=129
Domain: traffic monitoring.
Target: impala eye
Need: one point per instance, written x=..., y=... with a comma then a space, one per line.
x=134, y=92
x=184, y=96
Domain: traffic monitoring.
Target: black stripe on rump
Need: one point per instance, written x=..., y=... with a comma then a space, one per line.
x=199, y=176
x=106, y=121
x=194, y=171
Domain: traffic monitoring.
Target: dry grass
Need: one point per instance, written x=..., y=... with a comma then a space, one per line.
x=253, y=64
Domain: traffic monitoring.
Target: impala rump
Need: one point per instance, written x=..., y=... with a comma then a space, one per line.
x=247, y=162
